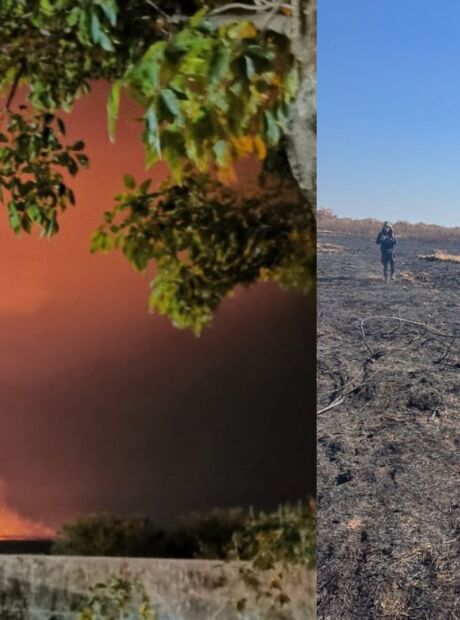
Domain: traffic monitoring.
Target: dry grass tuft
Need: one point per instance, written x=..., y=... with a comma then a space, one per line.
x=330, y=248
x=392, y=604
x=356, y=523
x=410, y=276
x=441, y=256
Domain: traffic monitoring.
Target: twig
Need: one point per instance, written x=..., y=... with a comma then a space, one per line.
x=157, y=8
x=447, y=351
x=341, y=398
x=335, y=403
x=410, y=322
x=365, y=339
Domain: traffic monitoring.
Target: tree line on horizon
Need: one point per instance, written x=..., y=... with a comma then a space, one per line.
x=327, y=220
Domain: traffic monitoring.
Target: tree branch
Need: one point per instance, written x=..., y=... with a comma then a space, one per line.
x=157, y=8
x=272, y=13
x=258, y=7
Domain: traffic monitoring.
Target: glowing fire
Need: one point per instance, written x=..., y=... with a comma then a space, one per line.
x=13, y=526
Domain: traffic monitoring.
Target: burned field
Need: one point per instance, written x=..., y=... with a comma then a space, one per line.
x=388, y=431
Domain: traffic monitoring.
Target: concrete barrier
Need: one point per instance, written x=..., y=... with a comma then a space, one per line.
x=52, y=588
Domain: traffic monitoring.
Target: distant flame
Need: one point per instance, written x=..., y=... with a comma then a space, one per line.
x=13, y=526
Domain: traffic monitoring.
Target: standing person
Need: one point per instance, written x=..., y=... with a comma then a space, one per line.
x=386, y=239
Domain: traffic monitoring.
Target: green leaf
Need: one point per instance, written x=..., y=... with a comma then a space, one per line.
x=282, y=118
x=129, y=181
x=171, y=102
x=110, y=9
x=222, y=152
x=98, y=35
x=242, y=30
x=173, y=158
x=74, y=16
x=291, y=85
x=113, y=107
x=14, y=217
x=100, y=242
x=72, y=166
x=250, y=68
x=219, y=63
x=198, y=18
x=33, y=212
x=46, y=7
x=83, y=160
x=95, y=27
x=146, y=74
x=272, y=130
x=53, y=227
x=26, y=223
x=151, y=136
x=78, y=146
x=61, y=126
x=84, y=25
x=105, y=42
x=145, y=186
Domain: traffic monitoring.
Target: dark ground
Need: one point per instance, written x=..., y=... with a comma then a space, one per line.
x=388, y=464
x=25, y=547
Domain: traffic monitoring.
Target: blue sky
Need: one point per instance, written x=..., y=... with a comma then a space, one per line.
x=389, y=109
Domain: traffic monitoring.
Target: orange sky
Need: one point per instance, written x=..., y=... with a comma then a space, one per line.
x=101, y=403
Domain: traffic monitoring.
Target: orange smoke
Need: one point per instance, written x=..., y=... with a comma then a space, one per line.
x=13, y=526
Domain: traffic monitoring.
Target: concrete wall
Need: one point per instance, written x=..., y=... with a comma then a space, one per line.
x=49, y=588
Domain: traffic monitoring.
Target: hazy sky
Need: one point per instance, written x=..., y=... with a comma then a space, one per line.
x=104, y=407
x=389, y=109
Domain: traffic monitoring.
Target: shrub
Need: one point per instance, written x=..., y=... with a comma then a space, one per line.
x=211, y=533
x=287, y=535
x=110, y=535
x=284, y=535
x=117, y=599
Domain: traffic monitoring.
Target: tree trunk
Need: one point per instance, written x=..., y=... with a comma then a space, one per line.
x=302, y=134
x=300, y=28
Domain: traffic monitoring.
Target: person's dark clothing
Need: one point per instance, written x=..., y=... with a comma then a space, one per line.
x=387, y=242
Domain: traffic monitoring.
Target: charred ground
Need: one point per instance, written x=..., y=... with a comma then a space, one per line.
x=388, y=431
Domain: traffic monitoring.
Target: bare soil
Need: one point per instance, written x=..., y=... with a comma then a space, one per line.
x=388, y=432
